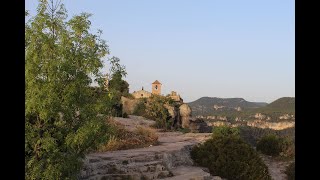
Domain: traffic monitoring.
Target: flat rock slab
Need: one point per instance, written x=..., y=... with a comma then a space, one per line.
x=154, y=162
x=189, y=173
x=132, y=122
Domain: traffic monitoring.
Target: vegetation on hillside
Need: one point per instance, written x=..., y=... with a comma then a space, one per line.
x=228, y=156
x=205, y=107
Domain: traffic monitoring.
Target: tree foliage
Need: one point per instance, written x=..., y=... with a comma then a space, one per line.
x=63, y=120
x=115, y=85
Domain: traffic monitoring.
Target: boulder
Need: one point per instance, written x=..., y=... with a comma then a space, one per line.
x=199, y=126
x=171, y=110
x=185, y=113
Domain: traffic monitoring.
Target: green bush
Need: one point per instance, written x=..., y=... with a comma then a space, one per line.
x=225, y=131
x=290, y=171
x=253, y=134
x=140, y=109
x=230, y=157
x=270, y=145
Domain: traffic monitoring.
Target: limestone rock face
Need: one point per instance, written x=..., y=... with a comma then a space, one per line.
x=171, y=110
x=219, y=123
x=185, y=113
x=259, y=116
x=271, y=125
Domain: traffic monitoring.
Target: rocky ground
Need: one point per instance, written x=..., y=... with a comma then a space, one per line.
x=170, y=159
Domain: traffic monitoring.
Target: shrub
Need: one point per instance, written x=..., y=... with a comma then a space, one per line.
x=253, y=134
x=290, y=171
x=287, y=148
x=225, y=131
x=270, y=145
x=140, y=109
x=230, y=157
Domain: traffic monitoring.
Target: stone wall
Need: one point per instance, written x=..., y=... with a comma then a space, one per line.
x=141, y=94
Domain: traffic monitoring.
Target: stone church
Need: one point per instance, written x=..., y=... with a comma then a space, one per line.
x=156, y=89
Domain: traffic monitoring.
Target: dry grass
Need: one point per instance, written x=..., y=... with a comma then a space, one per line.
x=121, y=138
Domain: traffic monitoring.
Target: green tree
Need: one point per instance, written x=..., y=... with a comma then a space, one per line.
x=116, y=86
x=62, y=120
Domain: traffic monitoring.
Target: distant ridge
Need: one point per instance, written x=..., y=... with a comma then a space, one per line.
x=209, y=105
x=284, y=105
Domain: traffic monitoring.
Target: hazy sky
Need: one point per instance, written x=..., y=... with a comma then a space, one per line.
x=216, y=48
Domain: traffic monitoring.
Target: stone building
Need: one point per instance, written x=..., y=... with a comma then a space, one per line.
x=141, y=94
x=156, y=87
x=175, y=96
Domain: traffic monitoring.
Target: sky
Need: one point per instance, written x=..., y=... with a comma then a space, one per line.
x=214, y=48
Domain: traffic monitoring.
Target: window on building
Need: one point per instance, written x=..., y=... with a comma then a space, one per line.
x=141, y=95
x=156, y=87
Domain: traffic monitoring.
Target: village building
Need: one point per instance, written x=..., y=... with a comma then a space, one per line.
x=156, y=89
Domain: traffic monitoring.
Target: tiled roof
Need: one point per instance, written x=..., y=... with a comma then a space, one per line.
x=156, y=82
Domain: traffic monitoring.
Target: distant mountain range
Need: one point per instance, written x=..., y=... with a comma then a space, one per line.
x=211, y=105
x=239, y=107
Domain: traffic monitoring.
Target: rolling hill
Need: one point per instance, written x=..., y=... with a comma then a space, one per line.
x=213, y=105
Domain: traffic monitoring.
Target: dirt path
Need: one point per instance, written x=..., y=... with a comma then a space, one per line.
x=276, y=167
